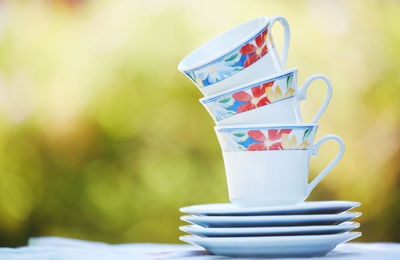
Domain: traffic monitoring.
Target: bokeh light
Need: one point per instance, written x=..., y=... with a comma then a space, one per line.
x=102, y=138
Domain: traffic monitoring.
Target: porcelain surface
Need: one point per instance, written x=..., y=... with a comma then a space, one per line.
x=270, y=221
x=271, y=246
x=269, y=231
x=308, y=207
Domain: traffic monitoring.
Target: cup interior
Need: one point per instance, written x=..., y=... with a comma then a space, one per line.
x=223, y=44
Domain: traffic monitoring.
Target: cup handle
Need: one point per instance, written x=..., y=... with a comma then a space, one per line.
x=314, y=152
x=301, y=94
x=286, y=41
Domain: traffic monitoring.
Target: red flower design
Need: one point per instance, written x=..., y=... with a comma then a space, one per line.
x=258, y=99
x=273, y=142
x=256, y=52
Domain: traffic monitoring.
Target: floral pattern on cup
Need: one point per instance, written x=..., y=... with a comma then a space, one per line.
x=267, y=139
x=232, y=62
x=251, y=97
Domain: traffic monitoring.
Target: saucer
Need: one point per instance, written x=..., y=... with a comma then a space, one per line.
x=269, y=231
x=271, y=246
x=312, y=207
x=269, y=221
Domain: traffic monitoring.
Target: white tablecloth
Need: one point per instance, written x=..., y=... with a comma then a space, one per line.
x=57, y=248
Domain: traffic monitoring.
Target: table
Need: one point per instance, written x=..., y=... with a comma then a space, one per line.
x=57, y=248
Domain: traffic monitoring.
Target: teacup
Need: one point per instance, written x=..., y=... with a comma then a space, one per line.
x=269, y=164
x=237, y=56
x=271, y=100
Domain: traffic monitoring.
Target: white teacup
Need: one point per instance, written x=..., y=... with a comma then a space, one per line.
x=237, y=56
x=269, y=164
x=270, y=100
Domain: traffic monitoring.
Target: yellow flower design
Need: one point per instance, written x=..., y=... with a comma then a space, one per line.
x=288, y=143
x=277, y=94
x=270, y=38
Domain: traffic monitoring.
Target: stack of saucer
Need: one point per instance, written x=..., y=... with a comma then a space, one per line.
x=266, y=148
x=304, y=229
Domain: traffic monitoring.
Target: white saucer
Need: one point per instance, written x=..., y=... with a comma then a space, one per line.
x=271, y=246
x=312, y=207
x=269, y=231
x=269, y=221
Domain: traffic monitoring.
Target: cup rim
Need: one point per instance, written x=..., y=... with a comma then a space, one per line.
x=263, y=126
x=207, y=99
x=184, y=68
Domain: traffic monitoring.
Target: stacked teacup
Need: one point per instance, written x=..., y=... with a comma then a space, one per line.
x=266, y=148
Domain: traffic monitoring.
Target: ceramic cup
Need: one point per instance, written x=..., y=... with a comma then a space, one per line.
x=237, y=56
x=268, y=164
x=271, y=100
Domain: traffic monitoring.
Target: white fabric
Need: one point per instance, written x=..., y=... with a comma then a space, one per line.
x=57, y=248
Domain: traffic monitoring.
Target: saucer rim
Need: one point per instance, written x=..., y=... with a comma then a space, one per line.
x=201, y=209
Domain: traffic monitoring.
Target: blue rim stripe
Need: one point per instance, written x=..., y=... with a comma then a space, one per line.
x=264, y=128
x=250, y=86
x=279, y=150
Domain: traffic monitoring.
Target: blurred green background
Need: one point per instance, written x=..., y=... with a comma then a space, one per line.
x=101, y=137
